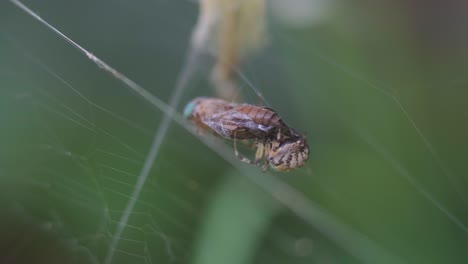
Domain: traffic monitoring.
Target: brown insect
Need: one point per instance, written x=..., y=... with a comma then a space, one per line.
x=283, y=147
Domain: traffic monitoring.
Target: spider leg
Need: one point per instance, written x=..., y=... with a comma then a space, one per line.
x=259, y=153
x=274, y=144
x=278, y=137
x=239, y=156
x=267, y=156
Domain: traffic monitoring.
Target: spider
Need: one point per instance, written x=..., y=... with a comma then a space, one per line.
x=282, y=147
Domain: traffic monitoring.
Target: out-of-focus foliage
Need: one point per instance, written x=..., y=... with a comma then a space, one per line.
x=378, y=87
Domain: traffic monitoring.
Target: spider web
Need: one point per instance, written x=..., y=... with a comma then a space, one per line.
x=78, y=140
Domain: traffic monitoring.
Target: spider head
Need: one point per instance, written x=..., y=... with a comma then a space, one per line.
x=289, y=155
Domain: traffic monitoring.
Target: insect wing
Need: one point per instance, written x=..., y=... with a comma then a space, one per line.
x=230, y=124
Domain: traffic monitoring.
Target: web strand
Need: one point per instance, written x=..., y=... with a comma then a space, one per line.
x=355, y=243
x=393, y=95
x=407, y=175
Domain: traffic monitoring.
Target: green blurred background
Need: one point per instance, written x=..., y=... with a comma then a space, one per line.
x=379, y=88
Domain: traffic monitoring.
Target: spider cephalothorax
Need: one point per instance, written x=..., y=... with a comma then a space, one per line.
x=289, y=155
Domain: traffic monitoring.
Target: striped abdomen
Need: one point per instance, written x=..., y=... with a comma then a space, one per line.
x=261, y=115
